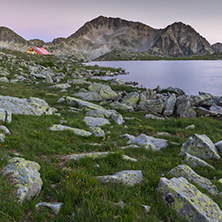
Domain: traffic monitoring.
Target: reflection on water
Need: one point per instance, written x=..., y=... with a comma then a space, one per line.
x=191, y=76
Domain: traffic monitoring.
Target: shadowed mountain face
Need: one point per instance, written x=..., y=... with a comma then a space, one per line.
x=104, y=35
x=7, y=35
x=179, y=39
x=217, y=47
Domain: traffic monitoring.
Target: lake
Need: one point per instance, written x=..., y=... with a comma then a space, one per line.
x=191, y=76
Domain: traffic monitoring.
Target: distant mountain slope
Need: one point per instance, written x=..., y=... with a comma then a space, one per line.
x=179, y=39
x=217, y=47
x=7, y=35
x=104, y=35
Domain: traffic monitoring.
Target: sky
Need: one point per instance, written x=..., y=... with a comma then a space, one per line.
x=49, y=19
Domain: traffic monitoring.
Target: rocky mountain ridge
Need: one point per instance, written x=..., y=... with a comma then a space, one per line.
x=104, y=35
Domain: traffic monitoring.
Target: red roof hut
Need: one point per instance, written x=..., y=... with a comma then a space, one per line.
x=38, y=50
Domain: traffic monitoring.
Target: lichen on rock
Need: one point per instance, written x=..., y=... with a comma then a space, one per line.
x=26, y=176
x=200, y=146
x=149, y=142
x=127, y=177
x=185, y=171
x=187, y=201
x=79, y=132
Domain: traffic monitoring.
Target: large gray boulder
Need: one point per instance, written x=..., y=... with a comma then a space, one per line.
x=186, y=172
x=131, y=99
x=90, y=96
x=29, y=106
x=26, y=177
x=149, y=142
x=72, y=101
x=121, y=106
x=104, y=91
x=154, y=106
x=127, y=177
x=196, y=100
x=184, y=109
x=175, y=90
x=200, y=146
x=95, y=121
x=149, y=94
x=195, y=162
x=187, y=201
x=169, y=105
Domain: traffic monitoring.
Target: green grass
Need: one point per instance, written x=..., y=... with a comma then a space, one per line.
x=72, y=182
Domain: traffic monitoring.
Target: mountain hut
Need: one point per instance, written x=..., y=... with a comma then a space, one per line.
x=38, y=51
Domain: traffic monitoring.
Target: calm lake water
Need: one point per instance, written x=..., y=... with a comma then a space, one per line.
x=191, y=76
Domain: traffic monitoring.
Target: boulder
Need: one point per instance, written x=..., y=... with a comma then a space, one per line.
x=29, y=106
x=72, y=101
x=97, y=131
x=184, y=109
x=142, y=100
x=104, y=91
x=185, y=171
x=26, y=177
x=90, y=96
x=95, y=113
x=95, y=121
x=154, y=106
x=116, y=81
x=149, y=94
x=126, y=177
x=196, y=100
x=131, y=99
x=175, y=90
x=194, y=162
x=187, y=201
x=149, y=142
x=121, y=106
x=79, y=132
x=118, y=118
x=169, y=105
x=200, y=146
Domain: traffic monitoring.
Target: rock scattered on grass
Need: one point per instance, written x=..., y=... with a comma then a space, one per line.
x=187, y=201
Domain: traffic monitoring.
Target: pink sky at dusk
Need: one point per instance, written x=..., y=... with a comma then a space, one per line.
x=49, y=19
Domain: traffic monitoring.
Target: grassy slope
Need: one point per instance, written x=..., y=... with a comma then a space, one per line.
x=82, y=195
